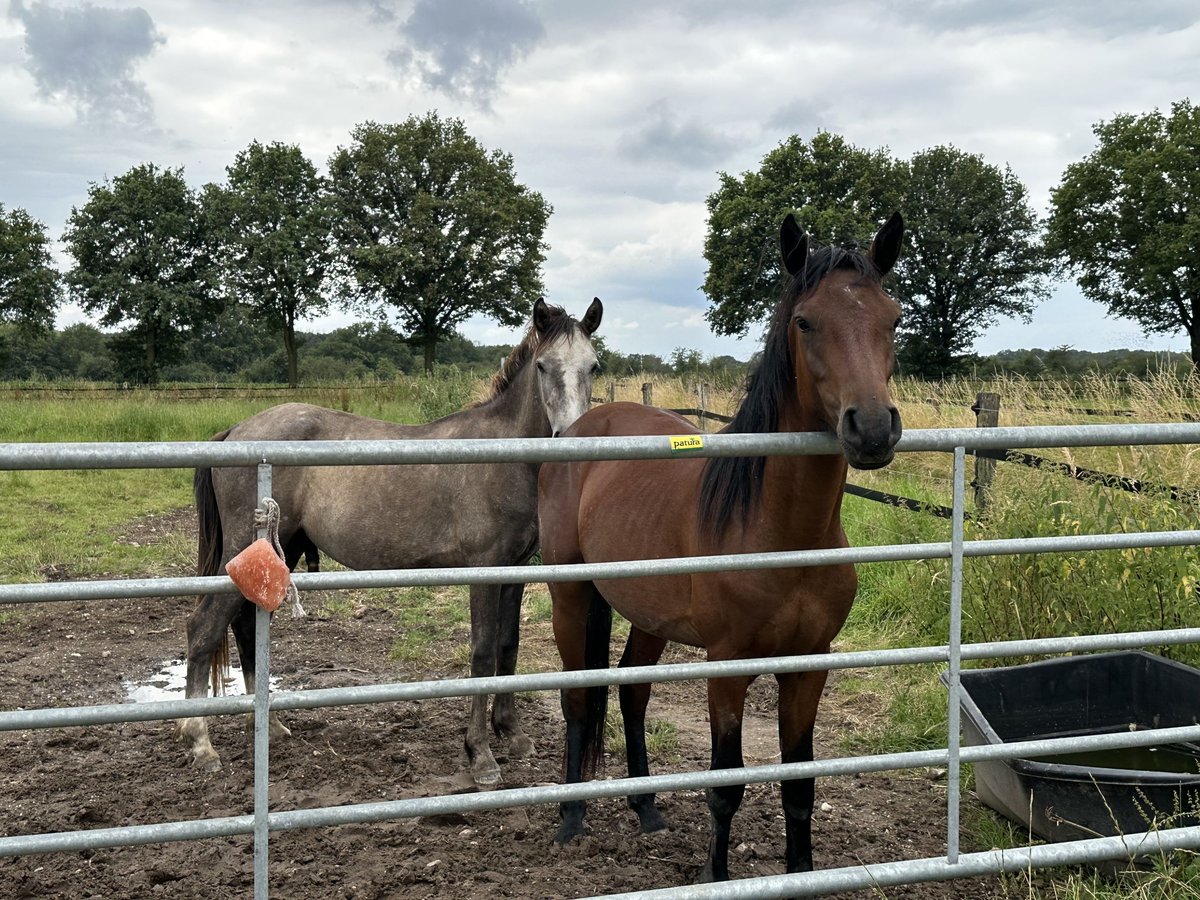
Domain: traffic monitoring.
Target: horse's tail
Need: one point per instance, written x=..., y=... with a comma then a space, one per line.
x=597, y=637
x=208, y=555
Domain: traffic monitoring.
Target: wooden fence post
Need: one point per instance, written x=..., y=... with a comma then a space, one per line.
x=611, y=393
x=647, y=393
x=987, y=415
x=702, y=403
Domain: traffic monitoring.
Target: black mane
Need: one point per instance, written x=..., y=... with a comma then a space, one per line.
x=731, y=485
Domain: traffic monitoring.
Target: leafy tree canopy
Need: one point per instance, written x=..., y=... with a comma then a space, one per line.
x=434, y=228
x=972, y=256
x=840, y=192
x=1126, y=220
x=29, y=284
x=273, y=221
x=143, y=258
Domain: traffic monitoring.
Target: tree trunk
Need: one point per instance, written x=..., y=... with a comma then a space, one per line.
x=1194, y=338
x=151, y=354
x=430, y=349
x=289, y=348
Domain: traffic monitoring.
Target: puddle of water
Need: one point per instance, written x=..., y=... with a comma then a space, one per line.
x=169, y=681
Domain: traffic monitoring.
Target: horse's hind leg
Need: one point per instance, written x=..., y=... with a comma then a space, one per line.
x=582, y=621
x=485, y=617
x=726, y=704
x=508, y=636
x=206, y=636
x=243, y=632
x=642, y=649
x=799, y=694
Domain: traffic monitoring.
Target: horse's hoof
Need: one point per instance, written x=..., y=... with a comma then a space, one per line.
x=278, y=729
x=653, y=822
x=706, y=875
x=209, y=761
x=567, y=833
x=487, y=781
x=520, y=746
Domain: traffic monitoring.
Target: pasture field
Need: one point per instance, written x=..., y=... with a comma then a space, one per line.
x=92, y=524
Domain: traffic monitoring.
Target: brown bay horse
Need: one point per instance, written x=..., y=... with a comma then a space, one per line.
x=404, y=516
x=828, y=356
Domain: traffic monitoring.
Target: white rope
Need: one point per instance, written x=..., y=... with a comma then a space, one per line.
x=268, y=517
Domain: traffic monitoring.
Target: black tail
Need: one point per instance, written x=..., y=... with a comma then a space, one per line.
x=208, y=555
x=598, y=636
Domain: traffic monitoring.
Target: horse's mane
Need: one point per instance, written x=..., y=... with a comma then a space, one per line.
x=558, y=324
x=731, y=485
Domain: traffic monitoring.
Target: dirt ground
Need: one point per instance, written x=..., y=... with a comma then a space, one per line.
x=80, y=778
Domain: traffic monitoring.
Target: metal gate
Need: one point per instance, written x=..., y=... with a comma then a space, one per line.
x=265, y=455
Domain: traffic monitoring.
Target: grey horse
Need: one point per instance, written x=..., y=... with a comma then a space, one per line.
x=418, y=516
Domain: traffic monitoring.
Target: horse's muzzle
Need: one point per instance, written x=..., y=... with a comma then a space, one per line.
x=869, y=437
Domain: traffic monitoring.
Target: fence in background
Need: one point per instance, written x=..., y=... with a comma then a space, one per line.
x=265, y=455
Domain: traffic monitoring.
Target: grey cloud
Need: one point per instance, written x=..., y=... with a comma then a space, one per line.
x=463, y=48
x=87, y=54
x=663, y=137
x=802, y=116
x=1111, y=18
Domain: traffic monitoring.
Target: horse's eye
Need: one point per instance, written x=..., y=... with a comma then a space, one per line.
x=896, y=324
x=803, y=324
x=541, y=366
x=595, y=368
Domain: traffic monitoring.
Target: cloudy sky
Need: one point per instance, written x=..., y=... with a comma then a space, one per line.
x=620, y=113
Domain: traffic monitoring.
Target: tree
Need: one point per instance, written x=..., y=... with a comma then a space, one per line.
x=973, y=256
x=686, y=361
x=1126, y=220
x=840, y=192
x=273, y=221
x=143, y=258
x=29, y=284
x=434, y=227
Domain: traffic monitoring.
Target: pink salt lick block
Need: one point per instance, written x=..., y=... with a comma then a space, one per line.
x=260, y=575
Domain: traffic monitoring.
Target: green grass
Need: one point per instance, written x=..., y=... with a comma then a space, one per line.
x=67, y=520
x=662, y=737
x=433, y=624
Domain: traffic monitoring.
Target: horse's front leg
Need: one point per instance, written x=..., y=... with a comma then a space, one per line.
x=583, y=708
x=205, y=638
x=726, y=704
x=485, y=617
x=508, y=637
x=641, y=649
x=799, y=694
x=243, y=631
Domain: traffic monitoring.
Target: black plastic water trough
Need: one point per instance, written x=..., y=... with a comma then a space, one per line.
x=1088, y=793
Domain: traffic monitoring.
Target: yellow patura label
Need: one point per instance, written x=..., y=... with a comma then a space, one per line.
x=680, y=443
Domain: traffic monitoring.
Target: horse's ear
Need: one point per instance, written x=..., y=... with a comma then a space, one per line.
x=541, y=315
x=591, y=319
x=793, y=244
x=885, y=248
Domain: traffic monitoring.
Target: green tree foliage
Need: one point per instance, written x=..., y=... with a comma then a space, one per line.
x=29, y=284
x=1126, y=220
x=143, y=259
x=236, y=345
x=434, y=228
x=840, y=192
x=973, y=255
x=273, y=222
x=79, y=351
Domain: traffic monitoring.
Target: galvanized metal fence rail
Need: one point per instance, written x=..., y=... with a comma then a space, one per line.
x=262, y=822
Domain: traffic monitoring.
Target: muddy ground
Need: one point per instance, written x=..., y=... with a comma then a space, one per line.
x=80, y=778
